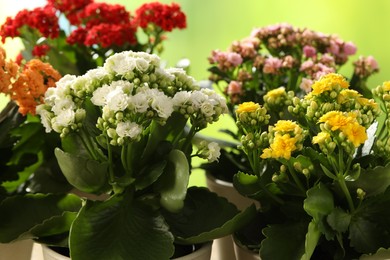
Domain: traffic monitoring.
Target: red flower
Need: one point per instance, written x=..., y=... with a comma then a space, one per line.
x=165, y=16
x=107, y=35
x=40, y=50
x=43, y=19
x=71, y=8
x=97, y=13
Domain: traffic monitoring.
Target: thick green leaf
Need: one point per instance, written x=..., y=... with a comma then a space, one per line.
x=312, y=237
x=83, y=173
x=382, y=253
x=173, y=183
x=150, y=175
x=339, y=220
x=319, y=202
x=206, y=216
x=246, y=184
x=21, y=214
x=284, y=241
x=372, y=181
x=366, y=236
x=119, y=229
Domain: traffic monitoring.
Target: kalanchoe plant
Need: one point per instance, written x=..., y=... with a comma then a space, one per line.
x=322, y=177
x=127, y=130
x=75, y=36
x=273, y=64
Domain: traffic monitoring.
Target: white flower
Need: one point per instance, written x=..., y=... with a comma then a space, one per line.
x=163, y=106
x=181, y=98
x=63, y=104
x=207, y=109
x=128, y=129
x=120, y=63
x=141, y=65
x=99, y=96
x=139, y=103
x=214, y=151
x=197, y=98
x=45, y=117
x=62, y=120
x=117, y=100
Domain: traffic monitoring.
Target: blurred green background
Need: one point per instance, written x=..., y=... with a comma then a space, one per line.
x=214, y=24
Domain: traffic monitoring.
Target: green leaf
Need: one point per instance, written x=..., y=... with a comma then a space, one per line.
x=382, y=253
x=83, y=173
x=150, y=175
x=284, y=241
x=319, y=202
x=173, y=183
x=119, y=229
x=366, y=236
x=246, y=184
x=21, y=214
x=339, y=220
x=206, y=216
x=372, y=181
x=312, y=237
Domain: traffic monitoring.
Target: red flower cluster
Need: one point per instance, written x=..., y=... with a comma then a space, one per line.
x=71, y=8
x=165, y=16
x=104, y=24
x=43, y=19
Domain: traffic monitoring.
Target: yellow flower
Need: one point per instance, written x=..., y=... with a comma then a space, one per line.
x=368, y=102
x=337, y=120
x=347, y=94
x=321, y=138
x=275, y=93
x=355, y=133
x=281, y=147
x=286, y=126
x=329, y=82
x=247, y=107
x=386, y=86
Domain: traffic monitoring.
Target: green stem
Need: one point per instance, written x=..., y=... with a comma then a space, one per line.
x=188, y=140
x=87, y=142
x=294, y=176
x=110, y=164
x=344, y=188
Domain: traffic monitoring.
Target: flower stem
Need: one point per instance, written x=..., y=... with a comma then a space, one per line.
x=344, y=188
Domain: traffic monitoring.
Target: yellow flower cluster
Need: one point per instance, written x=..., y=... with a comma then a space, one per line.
x=329, y=82
x=342, y=122
x=286, y=137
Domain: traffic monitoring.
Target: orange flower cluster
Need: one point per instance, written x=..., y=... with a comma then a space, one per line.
x=26, y=85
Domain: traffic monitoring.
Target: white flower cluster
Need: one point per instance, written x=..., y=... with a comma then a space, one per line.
x=128, y=93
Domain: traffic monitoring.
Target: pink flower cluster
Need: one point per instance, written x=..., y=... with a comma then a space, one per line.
x=281, y=55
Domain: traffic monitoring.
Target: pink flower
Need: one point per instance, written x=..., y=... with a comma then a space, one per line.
x=306, y=65
x=234, y=58
x=372, y=63
x=272, y=65
x=306, y=85
x=349, y=48
x=234, y=88
x=309, y=51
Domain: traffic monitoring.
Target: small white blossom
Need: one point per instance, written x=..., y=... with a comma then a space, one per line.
x=99, y=96
x=120, y=63
x=141, y=65
x=139, y=103
x=128, y=129
x=63, y=120
x=63, y=104
x=163, y=106
x=214, y=151
x=45, y=117
x=117, y=100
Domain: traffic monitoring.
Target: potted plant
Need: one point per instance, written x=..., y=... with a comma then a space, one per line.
x=124, y=133
x=322, y=177
x=271, y=66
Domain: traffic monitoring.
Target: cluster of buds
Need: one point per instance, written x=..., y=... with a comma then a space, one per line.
x=277, y=100
x=382, y=145
x=251, y=119
x=282, y=56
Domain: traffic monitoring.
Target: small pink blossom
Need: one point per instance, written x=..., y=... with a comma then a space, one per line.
x=372, y=63
x=349, y=48
x=309, y=51
x=306, y=65
x=306, y=85
x=234, y=88
x=272, y=65
x=234, y=58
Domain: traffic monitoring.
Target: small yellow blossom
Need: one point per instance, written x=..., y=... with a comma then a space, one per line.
x=346, y=94
x=247, y=107
x=355, y=133
x=321, y=138
x=281, y=147
x=386, y=86
x=286, y=126
x=337, y=119
x=275, y=93
x=329, y=82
